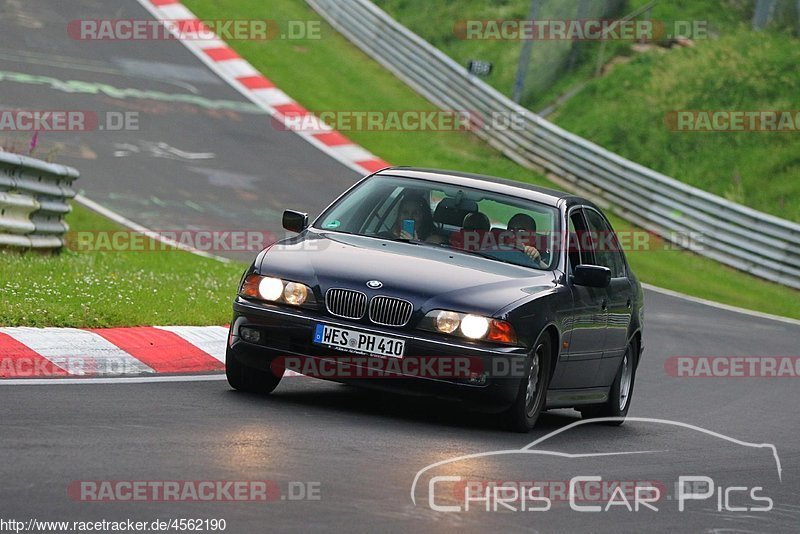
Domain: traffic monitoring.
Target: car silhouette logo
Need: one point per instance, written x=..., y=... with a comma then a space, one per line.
x=374, y=284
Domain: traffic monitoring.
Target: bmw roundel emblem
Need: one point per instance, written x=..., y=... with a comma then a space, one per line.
x=374, y=284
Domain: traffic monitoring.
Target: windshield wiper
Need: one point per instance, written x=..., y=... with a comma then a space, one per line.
x=398, y=239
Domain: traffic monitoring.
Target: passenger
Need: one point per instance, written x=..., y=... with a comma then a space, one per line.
x=524, y=228
x=476, y=222
x=472, y=235
x=414, y=207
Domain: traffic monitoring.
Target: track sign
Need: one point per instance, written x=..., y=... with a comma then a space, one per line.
x=479, y=68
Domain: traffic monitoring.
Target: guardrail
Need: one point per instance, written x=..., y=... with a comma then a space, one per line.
x=33, y=201
x=743, y=238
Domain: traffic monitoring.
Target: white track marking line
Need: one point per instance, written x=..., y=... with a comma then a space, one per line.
x=116, y=380
x=726, y=307
x=136, y=227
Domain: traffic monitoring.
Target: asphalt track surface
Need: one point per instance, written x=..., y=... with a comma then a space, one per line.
x=216, y=164
x=361, y=449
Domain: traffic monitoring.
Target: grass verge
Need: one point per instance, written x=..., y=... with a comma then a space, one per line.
x=625, y=111
x=332, y=74
x=556, y=64
x=628, y=110
x=104, y=289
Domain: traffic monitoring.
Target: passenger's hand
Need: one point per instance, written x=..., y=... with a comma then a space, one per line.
x=406, y=235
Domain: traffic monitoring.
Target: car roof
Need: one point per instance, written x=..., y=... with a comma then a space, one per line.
x=543, y=195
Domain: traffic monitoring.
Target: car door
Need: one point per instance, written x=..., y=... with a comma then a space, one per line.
x=587, y=316
x=607, y=253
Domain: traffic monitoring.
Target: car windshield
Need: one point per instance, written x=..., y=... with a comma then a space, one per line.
x=470, y=221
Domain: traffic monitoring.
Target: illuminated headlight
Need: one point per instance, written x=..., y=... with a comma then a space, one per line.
x=273, y=289
x=470, y=326
x=270, y=288
x=474, y=326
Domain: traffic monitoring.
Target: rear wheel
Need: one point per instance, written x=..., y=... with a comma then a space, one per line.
x=619, y=398
x=244, y=378
x=532, y=392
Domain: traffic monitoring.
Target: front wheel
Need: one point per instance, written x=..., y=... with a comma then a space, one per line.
x=248, y=379
x=619, y=398
x=532, y=392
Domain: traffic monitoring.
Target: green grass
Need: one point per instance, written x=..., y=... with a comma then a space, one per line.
x=625, y=112
x=332, y=74
x=103, y=289
x=549, y=72
x=736, y=69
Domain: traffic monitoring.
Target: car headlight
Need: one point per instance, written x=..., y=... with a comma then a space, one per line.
x=446, y=321
x=470, y=326
x=273, y=289
x=295, y=293
x=270, y=288
x=474, y=326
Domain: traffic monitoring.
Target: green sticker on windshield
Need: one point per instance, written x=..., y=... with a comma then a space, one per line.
x=333, y=224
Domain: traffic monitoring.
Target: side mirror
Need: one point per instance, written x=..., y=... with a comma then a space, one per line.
x=591, y=276
x=295, y=221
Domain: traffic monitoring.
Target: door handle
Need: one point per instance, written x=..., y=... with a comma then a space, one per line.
x=604, y=305
x=628, y=304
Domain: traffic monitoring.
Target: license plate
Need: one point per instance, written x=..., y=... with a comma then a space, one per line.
x=358, y=342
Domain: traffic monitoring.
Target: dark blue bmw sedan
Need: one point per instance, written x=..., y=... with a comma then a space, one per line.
x=512, y=298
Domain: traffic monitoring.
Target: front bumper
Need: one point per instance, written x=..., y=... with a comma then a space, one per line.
x=287, y=335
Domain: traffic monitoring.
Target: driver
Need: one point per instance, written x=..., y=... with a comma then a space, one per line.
x=524, y=228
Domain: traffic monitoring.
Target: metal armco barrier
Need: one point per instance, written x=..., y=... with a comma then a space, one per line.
x=33, y=201
x=743, y=238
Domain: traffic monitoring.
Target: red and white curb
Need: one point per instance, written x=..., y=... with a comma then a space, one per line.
x=243, y=77
x=138, y=354
x=47, y=353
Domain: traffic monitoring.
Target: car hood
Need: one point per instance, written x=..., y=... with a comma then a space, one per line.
x=430, y=277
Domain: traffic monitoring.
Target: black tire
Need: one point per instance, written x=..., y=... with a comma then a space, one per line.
x=249, y=379
x=619, y=398
x=529, y=404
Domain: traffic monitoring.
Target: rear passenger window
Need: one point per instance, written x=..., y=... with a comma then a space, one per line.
x=577, y=228
x=605, y=243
